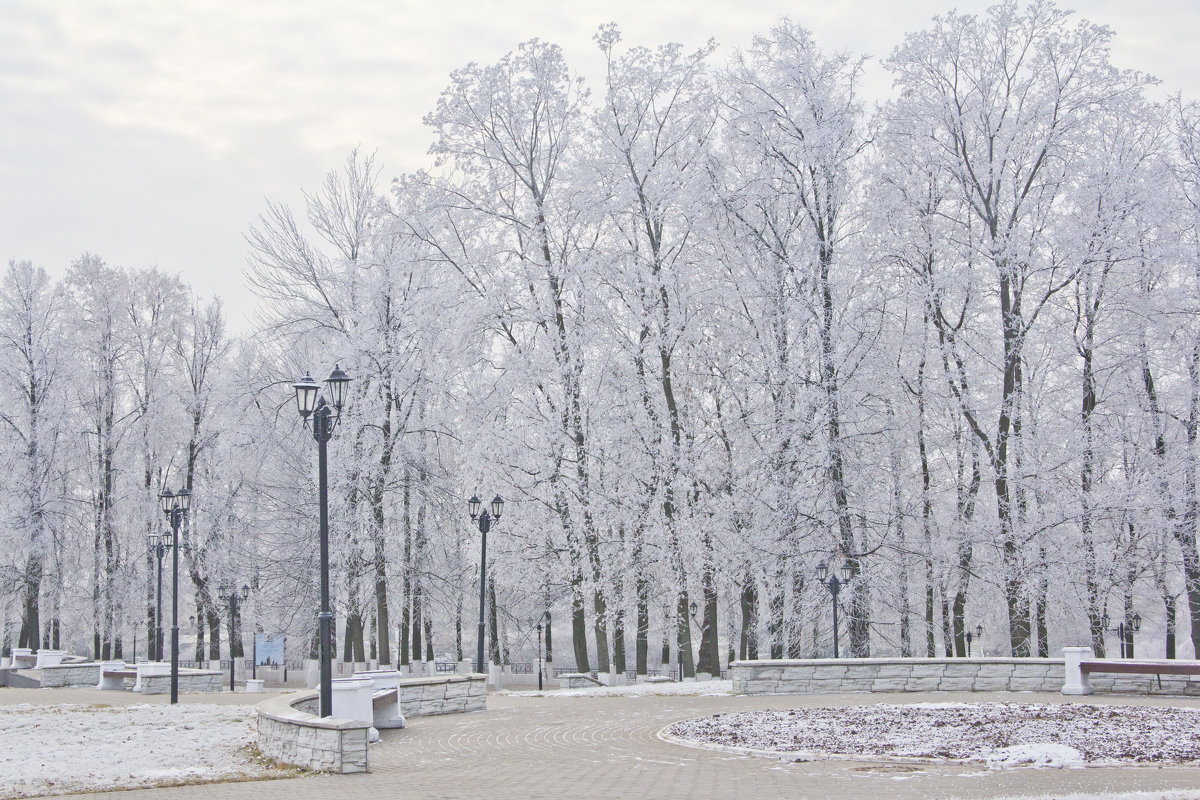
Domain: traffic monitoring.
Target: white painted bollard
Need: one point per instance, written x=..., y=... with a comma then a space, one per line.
x=1075, y=681
x=352, y=699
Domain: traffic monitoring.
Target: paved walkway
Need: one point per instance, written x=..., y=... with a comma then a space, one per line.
x=528, y=748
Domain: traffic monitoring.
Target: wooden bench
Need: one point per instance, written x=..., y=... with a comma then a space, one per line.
x=1080, y=666
x=114, y=678
x=382, y=698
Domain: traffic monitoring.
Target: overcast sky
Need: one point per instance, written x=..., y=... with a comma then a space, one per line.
x=153, y=133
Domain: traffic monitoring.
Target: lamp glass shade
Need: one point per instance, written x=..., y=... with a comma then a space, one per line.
x=693, y=607
x=1137, y=622
x=1104, y=620
x=497, y=506
x=474, y=504
x=822, y=571
x=306, y=395
x=846, y=572
x=338, y=381
x=979, y=631
x=154, y=539
x=184, y=498
x=245, y=591
x=166, y=500
x=168, y=539
x=223, y=590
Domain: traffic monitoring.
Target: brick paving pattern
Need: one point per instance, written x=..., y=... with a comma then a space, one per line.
x=530, y=748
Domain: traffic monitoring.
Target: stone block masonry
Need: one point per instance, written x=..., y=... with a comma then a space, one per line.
x=290, y=731
x=831, y=676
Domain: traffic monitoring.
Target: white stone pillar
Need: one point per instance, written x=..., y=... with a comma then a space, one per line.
x=352, y=699
x=1076, y=681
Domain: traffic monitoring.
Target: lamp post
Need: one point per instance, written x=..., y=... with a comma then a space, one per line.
x=834, y=585
x=175, y=507
x=1124, y=632
x=484, y=520
x=978, y=635
x=541, y=664
x=324, y=419
x=230, y=592
x=156, y=546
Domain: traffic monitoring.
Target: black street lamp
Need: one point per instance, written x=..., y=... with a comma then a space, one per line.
x=484, y=520
x=175, y=507
x=978, y=635
x=324, y=420
x=156, y=648
x=1124, y=632
x=542, y=620
x=230, y=593
x=834, y=585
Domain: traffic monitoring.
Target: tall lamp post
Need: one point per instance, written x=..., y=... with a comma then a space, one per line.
x=834, y=585
x=325, y=416
x=1124, y=632
x=175, y=507
x=542, y=620
x=484, y=520
x=230, y=592
x=978, y=635
x=156, y=546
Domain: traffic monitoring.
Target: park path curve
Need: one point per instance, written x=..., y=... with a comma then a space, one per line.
x=535, y=748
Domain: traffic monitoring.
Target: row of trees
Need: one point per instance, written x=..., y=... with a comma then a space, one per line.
x=703, y=328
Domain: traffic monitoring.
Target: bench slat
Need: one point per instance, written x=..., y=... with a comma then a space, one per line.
x=1136, y=668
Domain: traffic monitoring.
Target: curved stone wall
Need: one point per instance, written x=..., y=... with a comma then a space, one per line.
x=291, y=735
x=290, y=731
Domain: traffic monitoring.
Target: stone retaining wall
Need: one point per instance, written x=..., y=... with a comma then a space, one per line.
x=190, y=680
x=64, y=675
x=288, y=733
x=818, y=676
x=454, y=694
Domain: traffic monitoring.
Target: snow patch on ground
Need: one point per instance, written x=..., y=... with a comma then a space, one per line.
x=693, y=689
x=1000, y=734
x=74, y=748
x=1041, y=754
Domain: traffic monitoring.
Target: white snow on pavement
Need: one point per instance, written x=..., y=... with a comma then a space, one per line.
x=72, y=748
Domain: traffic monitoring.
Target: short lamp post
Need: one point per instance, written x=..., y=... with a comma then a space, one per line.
x=230, y=593
x=542, y=621
x=1124, y=632
x=834, y=584
x=175, y=507
x=324, y=415
x=693, y=608
x=156, y=646
x=484, y=521
x=978, y=635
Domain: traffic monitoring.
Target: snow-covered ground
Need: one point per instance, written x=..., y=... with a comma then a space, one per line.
x=72, y=748
x=1000, y=734
x=692, y=688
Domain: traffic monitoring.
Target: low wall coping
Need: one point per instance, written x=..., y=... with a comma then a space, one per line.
x=440, y=679
x=850, y=662
x=281, y=708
